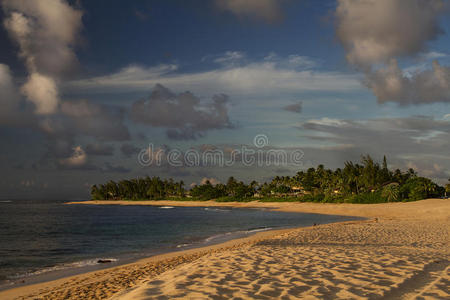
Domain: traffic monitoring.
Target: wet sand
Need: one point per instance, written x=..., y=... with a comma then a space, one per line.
x=402, y=251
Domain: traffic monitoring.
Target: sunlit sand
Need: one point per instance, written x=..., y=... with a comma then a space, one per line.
x=400, y=251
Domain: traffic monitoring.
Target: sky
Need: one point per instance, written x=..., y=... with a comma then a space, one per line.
x=101, y=90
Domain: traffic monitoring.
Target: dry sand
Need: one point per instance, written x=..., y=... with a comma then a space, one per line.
x=401, y=252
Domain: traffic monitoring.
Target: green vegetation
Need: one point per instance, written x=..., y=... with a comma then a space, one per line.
x=138, y=189
x=367, y=182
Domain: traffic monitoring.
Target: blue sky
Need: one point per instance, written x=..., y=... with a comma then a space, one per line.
x=87, y=84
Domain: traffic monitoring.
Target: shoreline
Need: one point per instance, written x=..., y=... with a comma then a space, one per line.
x=170, y=259
x=376, y=210
x=118, y=280
x=124, y=258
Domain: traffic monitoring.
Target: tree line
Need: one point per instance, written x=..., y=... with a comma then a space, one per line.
x=364, y=182
x=139, y=189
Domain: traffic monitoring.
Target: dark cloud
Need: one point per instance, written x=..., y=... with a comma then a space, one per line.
x=115, y=169
x=375, y=33
x=128, y=150
x=182, y=114
x=77, y=119
x=296, y=107
x=99, y=149
x=183, y=134
x=390, y=84
x=12, y=110
x=74, y=120
x=104, y=122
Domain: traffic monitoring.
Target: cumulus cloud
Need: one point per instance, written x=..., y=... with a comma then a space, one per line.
x=268, y=10
x=45, y=32
x=421, y=87
x=375, y=33
x=182, y=114
x=42, y=91
x=295, y=107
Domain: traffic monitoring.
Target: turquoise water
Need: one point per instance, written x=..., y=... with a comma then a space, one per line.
x=37, y=237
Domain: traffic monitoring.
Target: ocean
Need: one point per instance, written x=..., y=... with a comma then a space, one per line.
x=39, y=238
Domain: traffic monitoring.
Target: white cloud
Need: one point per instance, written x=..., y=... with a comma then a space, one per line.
x=46, y=32
x=301, y=61
x=327, y=122
x=43, y=92
x=269, y=77
x=434, y=55
x=230, y=58
x=375, y=33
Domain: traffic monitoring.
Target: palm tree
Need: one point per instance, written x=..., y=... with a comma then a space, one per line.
x=391, y=192
x=429, y=187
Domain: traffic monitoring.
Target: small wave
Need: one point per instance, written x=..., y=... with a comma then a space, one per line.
x=5, y=201
x=166, y=207
x=216, y=209
x=78, y=264
x=215, y=237
x=240, y=232
x=182, y=245
x=258, y=229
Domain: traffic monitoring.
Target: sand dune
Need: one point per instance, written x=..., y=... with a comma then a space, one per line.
x=401, y=252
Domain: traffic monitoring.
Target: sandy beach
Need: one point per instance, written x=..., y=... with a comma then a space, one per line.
x=401, y=251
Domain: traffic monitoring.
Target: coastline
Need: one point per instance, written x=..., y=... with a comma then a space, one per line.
x=158, y=263
x=131, y=280
x=377, y=210
x=91, y=264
